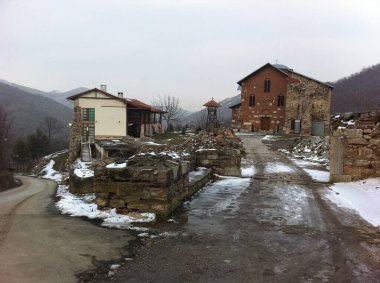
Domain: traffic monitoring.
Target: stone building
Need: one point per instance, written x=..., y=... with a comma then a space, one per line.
x=236, y=117
x=274, y=98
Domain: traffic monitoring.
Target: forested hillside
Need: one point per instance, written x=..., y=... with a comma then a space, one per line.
x=358, y=92
x=29, y=111
x=55, y=95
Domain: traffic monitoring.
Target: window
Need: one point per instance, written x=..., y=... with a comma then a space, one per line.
x=252, y=101
x=88, y=114
x=267, y=85
x=280, y=100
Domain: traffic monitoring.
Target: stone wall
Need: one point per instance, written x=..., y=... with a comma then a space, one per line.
x=307, y=100
x=355, y=148
x=236, y=117
x=148, y=183
x=75, y=135
x=223, y=162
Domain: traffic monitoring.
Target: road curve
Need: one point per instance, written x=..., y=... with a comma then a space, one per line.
x=37, y=244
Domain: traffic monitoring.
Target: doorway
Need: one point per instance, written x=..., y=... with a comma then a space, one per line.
x=265, y=123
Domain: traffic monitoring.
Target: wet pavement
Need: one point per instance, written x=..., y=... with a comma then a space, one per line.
x=273, y=227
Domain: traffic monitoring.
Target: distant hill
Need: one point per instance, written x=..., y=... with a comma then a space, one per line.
x=357, y=93
x=28, y=110
x=54, y=95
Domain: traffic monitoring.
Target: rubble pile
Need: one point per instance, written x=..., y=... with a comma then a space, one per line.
x=221, y=139
x=314, y=148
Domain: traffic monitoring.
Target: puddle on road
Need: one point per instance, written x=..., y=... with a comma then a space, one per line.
x=214, y=203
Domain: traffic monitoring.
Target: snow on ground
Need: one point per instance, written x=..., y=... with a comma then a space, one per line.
x=151, y=143
x=50, y=174
x=116, y=165
x=269, y=138
x=82, y=170
x=318, y=175
x=200, y=171
x=248, y=171
x=315, y=174
x=278, y=168
x=362, y=196
x=303, y=163
x=205, y=149
x=83, y=206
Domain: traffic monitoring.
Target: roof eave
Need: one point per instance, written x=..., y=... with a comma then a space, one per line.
x=259, y=69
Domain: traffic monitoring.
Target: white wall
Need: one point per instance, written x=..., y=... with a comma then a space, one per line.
x=110, y=114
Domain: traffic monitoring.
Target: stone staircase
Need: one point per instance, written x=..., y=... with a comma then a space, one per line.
x=86, y=152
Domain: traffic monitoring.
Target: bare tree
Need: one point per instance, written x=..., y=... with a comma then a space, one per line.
x=170, y=105
x=201, y=120
x=6, y=178
x=51, y=127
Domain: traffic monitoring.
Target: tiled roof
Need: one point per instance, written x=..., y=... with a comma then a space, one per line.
x=212, y=103
x=141, y=105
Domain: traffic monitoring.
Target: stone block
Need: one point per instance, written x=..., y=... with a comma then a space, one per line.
x=375, y=141
x=364, y=124
x=376, y=164
x=362, y=163
x=354, y=133
x=348, y=170
x=336, y=155
x=101, y=202
x=116, y=203
x=377, y=152
x=368, y=172
x=185, y=167
x=337, y=178
x=356, y=140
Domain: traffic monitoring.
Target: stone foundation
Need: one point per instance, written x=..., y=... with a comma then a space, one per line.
x=147, y=184
x=223, y=162
x=355, y=148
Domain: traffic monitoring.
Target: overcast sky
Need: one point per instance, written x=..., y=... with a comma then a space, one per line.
x=194, y=50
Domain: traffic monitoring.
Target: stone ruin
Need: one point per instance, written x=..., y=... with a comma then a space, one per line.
x=355, y=147
x=156, y=179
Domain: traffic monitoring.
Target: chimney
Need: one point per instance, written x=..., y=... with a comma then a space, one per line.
x=103, y=88
x=120, y=94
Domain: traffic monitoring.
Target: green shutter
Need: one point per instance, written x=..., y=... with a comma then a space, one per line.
x=91, y=114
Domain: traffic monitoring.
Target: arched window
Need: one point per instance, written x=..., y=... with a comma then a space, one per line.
x=267, y=85
x=252, y=100
x=280, y=100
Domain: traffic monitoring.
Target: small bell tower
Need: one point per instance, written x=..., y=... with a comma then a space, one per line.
x=212, y=119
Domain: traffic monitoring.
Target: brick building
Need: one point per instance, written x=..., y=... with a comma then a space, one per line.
x=274, y=98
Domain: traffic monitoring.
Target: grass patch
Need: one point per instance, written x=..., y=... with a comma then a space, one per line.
x=60, y=161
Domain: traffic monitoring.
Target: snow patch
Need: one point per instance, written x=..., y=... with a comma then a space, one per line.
x=318, y=175
x=248, y=171
x=83, y=206
x=116, y=165
x=82, y=169
x=361, y=196
x=278, y=168
x=50, y=173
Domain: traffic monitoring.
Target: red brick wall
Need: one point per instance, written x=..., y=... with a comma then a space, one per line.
x=266, y=102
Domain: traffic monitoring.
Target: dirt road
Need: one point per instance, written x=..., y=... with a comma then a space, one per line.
x=279, y=229
x=37, y=244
